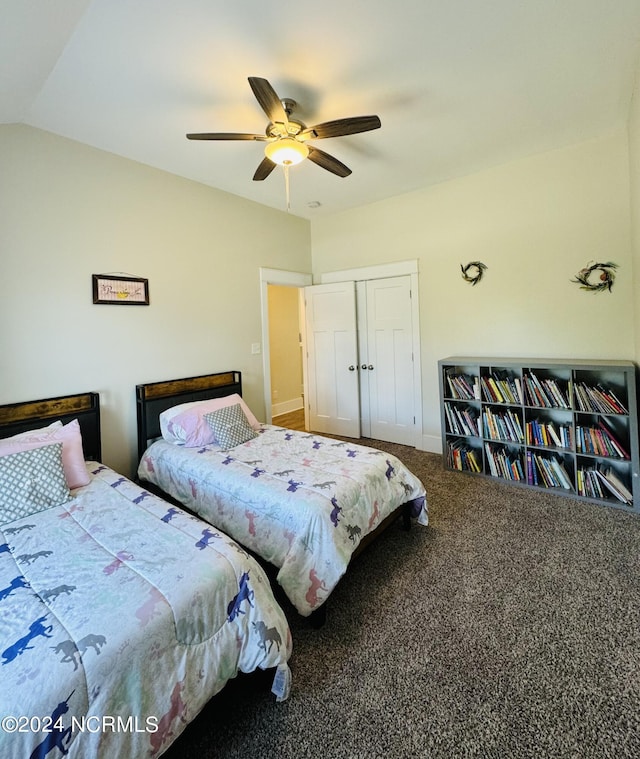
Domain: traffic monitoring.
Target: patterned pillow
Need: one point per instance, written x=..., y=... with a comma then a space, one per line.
x=69, y=435
x=230, y=426
x=31, y=481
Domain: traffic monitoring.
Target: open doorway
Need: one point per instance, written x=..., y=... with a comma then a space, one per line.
x=291, y=281
x=285, y=349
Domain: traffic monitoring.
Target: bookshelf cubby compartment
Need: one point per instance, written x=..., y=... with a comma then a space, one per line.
x=499, y=384
x=564, y=426
x=604, y=481
x=549, y=428
x=505, y=461
x=461, y=383
x=502, y=424
x=464, y=456
x=461, y=418
x=550, y=470
x=546, y=388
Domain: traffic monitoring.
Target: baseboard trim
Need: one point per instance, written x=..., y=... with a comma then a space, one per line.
x=431, y=444
x=295, y=404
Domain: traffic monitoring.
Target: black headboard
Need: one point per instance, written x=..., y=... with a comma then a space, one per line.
x=155, y=397
x=30, y=415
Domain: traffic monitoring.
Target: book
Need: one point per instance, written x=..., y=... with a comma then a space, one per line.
x=613, y=478
x=624, y=454
x=610, y=486
x=554, y=435
x=561, y=474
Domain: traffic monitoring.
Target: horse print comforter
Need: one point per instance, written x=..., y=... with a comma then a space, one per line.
x=120, y=617
x=300, y=501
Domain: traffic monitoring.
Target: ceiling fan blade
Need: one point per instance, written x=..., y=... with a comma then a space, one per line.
x=226, y=136
x=264, y=169
x=268, y=99
x=328, y=162
x=341, y=127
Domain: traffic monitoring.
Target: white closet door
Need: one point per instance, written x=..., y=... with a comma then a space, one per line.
x=389, y=360
x=332, y=359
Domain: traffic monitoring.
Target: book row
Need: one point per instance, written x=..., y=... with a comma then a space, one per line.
x=599, y=441
x=501, y=388
x=598, y=399
x=546, y=393
x=461, y=421
x=503, y=463
x=541, y=471
x=547, y=434
x=506, y=426
x=463, y=457
x=463, y=387
x=547, y=471
x=539, y=393
x=502, y=426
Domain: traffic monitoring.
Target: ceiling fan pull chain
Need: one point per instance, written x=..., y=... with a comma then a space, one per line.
x=286, y=185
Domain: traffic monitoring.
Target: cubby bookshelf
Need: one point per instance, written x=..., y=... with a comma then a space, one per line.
x=569, y=427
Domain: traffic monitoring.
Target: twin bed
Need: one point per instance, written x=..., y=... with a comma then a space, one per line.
x=120, y=614
x=303, y=503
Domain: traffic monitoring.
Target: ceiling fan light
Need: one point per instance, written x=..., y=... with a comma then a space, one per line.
x=286, y=151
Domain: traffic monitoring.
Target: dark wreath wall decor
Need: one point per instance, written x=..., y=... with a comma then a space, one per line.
x=604, y=279
x=473, y=271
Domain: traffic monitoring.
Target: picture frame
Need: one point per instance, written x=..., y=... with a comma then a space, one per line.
x=120, y=290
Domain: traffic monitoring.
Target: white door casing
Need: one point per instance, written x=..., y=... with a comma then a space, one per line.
x=273, y=277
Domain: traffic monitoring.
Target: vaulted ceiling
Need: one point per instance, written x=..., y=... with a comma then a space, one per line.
x=459, y=85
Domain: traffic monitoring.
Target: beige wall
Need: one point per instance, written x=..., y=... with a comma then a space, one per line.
x=634, y=173
x=68, y=211
x=534, y=223
x=285, y=355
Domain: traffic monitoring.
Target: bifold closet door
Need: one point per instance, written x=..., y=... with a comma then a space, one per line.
x=332, y=359
x=386, y=359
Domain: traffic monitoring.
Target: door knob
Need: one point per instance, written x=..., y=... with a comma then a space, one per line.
x=352, y=368
x=364, y=366
x=370, y=366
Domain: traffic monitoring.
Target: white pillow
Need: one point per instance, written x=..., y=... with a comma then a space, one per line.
x=185, y=424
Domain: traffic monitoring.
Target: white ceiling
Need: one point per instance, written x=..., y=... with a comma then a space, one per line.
x=459, y=85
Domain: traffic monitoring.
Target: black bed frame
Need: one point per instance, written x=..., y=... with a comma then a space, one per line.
x=155, y=397
x=31, y=415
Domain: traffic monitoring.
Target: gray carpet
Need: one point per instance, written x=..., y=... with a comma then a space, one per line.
x=510, y=627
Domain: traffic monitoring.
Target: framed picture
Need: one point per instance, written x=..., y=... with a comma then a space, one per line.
x=120, y=290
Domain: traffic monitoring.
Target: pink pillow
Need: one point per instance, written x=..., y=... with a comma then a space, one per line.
x=185, y=424
x=69, y=435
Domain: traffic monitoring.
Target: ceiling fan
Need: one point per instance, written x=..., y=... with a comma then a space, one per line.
x=287, y=137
